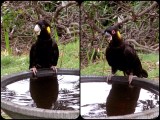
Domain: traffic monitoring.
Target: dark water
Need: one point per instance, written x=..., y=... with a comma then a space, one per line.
x=58, y=93
x=101, y=100
x=97, y=99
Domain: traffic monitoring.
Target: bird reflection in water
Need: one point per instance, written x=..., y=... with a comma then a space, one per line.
x=44, y=91
x=122, y=100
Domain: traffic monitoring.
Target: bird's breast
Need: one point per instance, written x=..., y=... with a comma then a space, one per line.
x=116, y=59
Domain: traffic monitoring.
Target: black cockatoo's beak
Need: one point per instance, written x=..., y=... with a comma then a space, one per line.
x=37, y=29
x=108, y=35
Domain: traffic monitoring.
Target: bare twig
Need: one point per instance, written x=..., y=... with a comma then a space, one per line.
x=148, y=9
x=139, y=46
x=91, y=22
x=145, y=50
x=58, y=10
x=137, y=15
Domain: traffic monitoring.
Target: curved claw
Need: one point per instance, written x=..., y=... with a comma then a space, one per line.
x=34, y=70
x=130, y=77
x=109, y=78
x=54, y=68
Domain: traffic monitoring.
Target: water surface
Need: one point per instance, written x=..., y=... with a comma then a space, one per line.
x=46, y=93
x=99, y=100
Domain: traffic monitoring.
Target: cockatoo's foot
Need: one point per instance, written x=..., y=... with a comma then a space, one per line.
x=54, y=69
x=109, y=78
x=34, y=69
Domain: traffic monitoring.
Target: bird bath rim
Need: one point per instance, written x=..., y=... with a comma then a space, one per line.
x=151, y=85
x=19, y=111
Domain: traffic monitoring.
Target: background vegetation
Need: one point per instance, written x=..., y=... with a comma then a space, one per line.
x=15, y=63
x=83, y=47
x=141, y=29
x=17, y=31
x=140, y=26
x=18, y=23
x=18, y=19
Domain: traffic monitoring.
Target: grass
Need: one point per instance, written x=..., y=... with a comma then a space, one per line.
x=101, y=68
x=12, y=64
x=69, y=55
x=69, y=58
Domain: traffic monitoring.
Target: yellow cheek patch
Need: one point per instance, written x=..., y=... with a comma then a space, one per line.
x=49, y=30
x=119, y=35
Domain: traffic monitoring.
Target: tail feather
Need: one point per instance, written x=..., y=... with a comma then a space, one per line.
x=144, y=73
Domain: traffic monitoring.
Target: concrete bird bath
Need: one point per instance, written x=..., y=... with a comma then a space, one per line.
x=24, y=112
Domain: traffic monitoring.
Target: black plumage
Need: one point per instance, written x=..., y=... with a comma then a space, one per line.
x=44, y=91
x=122, y=56
x=44, y=53
x=79, y=2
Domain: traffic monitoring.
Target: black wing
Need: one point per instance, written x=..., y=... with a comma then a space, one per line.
x=55, y=54
x=32, y=56
x=133, y=62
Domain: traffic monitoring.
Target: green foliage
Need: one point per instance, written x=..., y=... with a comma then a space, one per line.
x=6, y=35
x=50, y=6
x=98, y=68
x=9, y=16
x=6, y=60
x=69, y=57
x=101, y=67
x=12, y=64
x=144, y=29
x=56, y=35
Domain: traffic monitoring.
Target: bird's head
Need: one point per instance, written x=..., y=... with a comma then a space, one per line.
x=112, y=33
x=42, y=27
